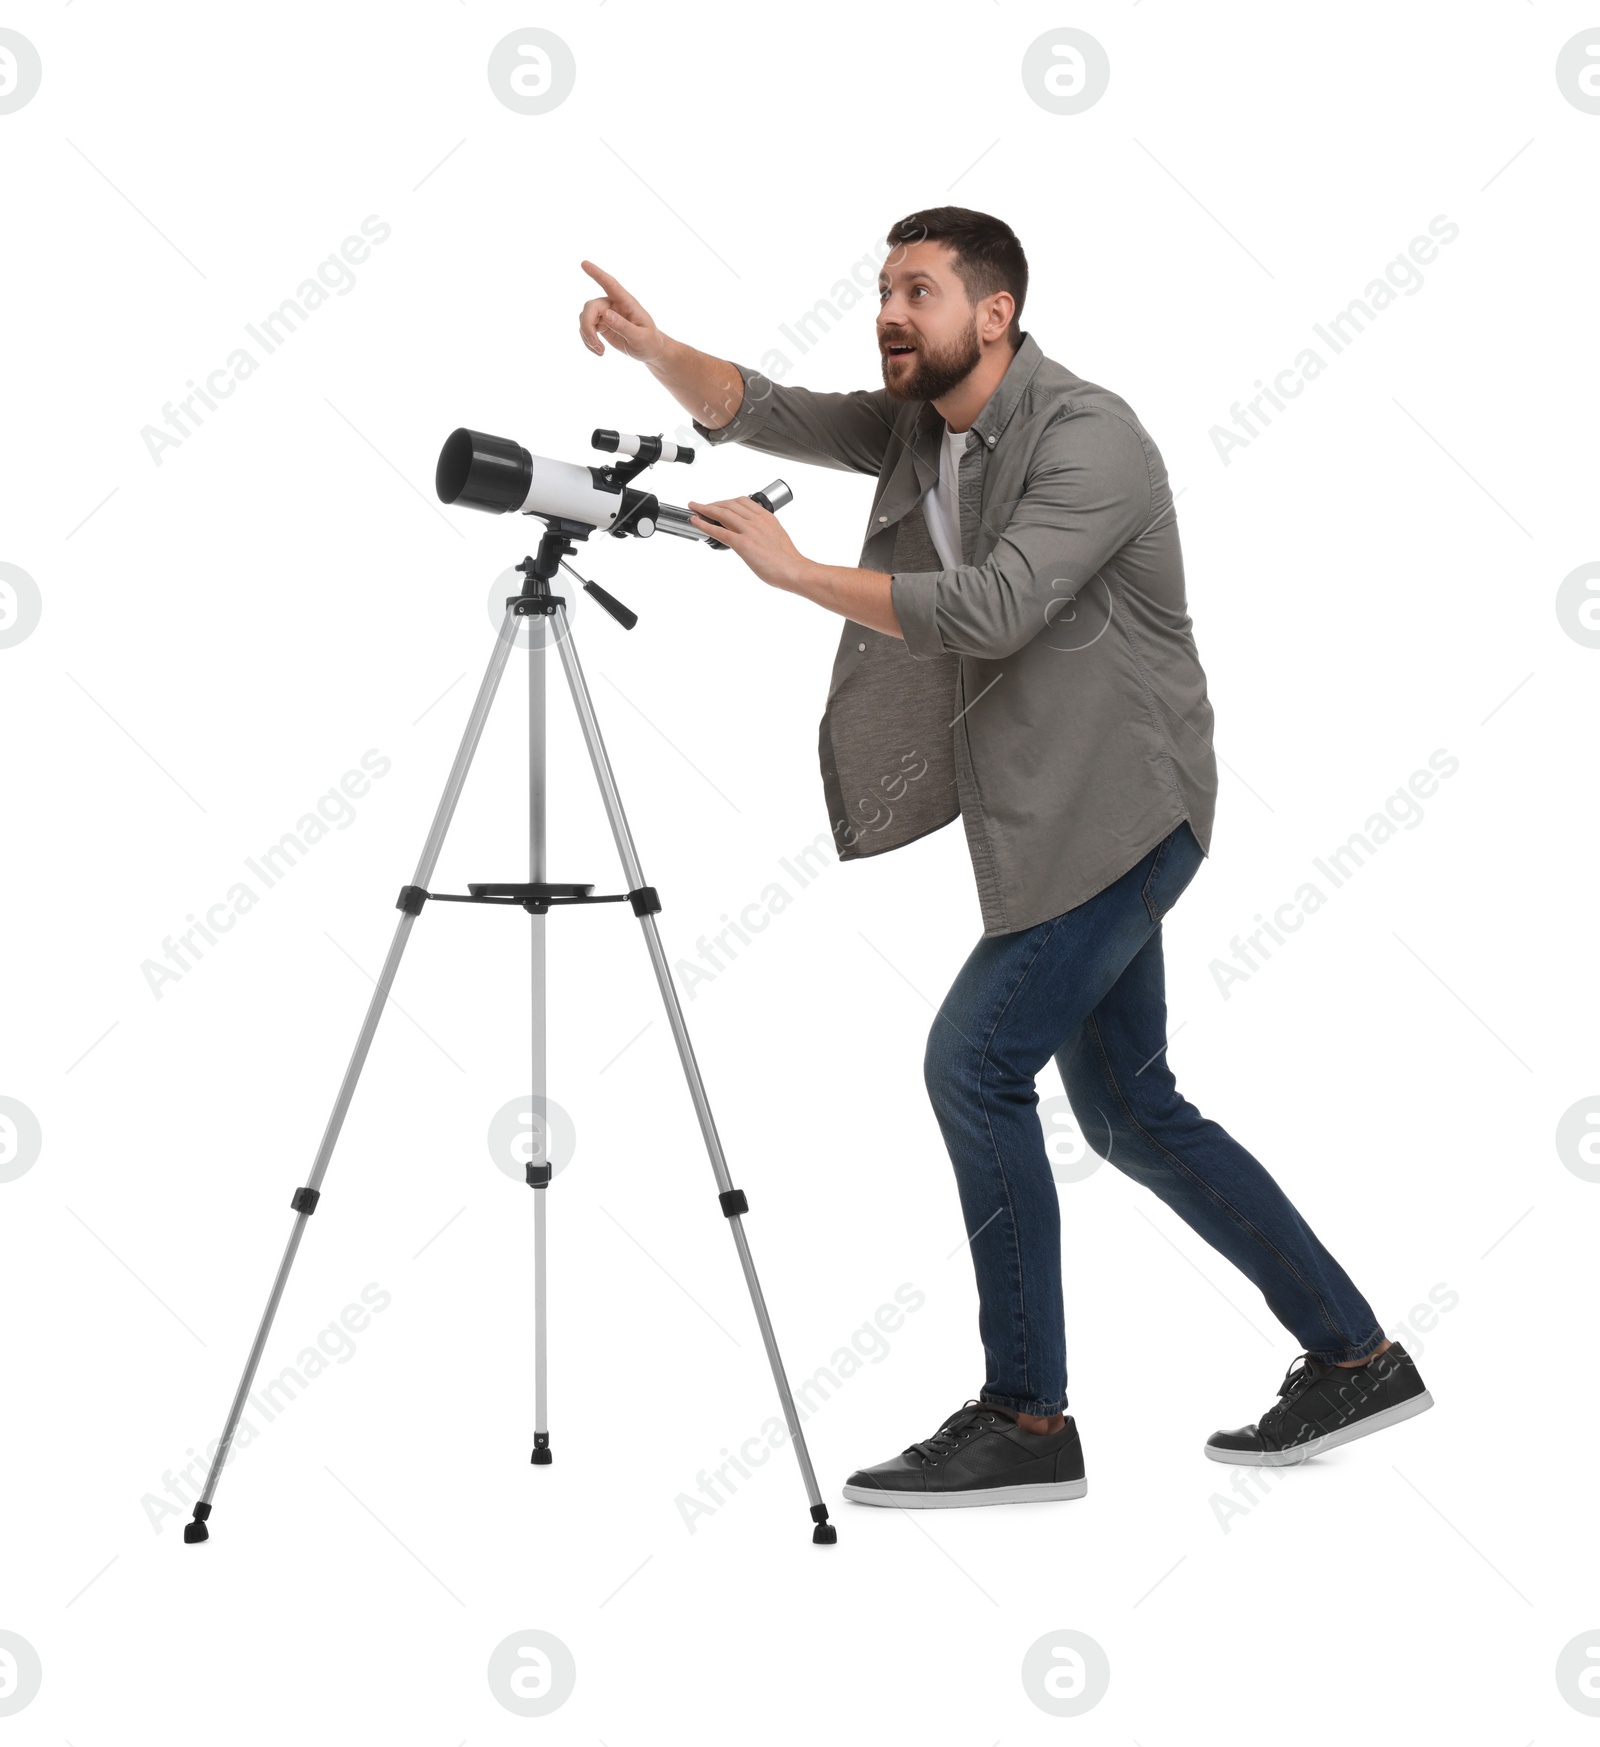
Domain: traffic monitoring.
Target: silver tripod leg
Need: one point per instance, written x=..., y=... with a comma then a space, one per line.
x=733, y=1201
x=541, y=1165
x=305, y=1199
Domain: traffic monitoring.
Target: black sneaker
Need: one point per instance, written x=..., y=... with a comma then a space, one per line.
x=1321, y=1406
x=978, y=1456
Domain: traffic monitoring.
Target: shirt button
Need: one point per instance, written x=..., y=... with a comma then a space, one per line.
x=990, y=441
x=862, y=647
x=883, y=518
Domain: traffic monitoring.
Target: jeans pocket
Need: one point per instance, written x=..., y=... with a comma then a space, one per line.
x=1177, y=860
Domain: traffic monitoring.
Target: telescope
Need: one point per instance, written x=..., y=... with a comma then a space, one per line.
x=498, y=475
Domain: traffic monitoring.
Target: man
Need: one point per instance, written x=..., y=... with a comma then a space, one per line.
x=1017, y=648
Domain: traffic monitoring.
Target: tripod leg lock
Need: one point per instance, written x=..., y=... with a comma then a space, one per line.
x=646, y=901
x=305, y=1200
x=411, y=900
x=538, y=1175
x=733, y=1203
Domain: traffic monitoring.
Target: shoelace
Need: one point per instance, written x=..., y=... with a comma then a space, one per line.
x=954, y=1432
x=1297, y=1377
x=1296, y=1380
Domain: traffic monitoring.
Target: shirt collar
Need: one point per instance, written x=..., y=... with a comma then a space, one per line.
x=990, y=424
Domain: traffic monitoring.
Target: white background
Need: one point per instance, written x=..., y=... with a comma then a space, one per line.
x=226, y=633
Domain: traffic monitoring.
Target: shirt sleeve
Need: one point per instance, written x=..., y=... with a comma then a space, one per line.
x=851, y=432
x=1086, y=495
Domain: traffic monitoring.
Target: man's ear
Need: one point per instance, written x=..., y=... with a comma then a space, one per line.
x=996, y=315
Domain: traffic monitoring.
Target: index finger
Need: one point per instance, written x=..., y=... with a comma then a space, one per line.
x=611, y=287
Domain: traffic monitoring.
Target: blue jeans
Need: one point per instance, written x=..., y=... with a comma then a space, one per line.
x=1088, y=987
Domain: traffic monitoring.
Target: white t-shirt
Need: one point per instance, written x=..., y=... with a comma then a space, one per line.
x=942, y=505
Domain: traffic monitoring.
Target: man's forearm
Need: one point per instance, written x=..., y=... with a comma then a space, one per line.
x=862, y=595
x=710, y=389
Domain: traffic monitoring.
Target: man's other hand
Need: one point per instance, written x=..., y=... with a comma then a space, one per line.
x=756, y=535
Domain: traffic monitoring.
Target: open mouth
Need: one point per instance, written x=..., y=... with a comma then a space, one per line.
x=898, y=351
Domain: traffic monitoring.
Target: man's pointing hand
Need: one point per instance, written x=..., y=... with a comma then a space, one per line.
x=619, y=320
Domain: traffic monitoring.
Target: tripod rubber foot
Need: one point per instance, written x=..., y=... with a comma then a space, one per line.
x=195, y=1532
x=824, y=1534
x=541, y=1457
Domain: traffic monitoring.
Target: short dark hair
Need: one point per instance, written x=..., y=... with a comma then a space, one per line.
x=988, y=257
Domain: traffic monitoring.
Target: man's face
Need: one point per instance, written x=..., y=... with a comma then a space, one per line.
x=927, y=329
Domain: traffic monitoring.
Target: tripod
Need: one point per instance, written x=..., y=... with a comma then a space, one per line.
x=538, y=897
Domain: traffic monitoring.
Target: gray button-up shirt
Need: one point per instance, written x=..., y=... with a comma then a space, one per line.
x=1048, y=689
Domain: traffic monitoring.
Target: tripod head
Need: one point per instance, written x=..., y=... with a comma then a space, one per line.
x=555, y=547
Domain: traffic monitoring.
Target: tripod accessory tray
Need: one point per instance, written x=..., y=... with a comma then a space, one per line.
x=536, y=897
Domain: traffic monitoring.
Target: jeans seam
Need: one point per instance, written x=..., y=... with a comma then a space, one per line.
x=1011, y=1209
x=1248, y=1224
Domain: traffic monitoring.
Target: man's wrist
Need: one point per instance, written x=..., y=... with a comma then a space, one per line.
x=667, y=356
x=811, y=580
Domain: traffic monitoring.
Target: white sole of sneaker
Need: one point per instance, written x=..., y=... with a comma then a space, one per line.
x=1391, y=1416
x=1042, y=1492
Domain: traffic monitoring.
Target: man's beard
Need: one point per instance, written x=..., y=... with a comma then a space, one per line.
x=934, y=371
